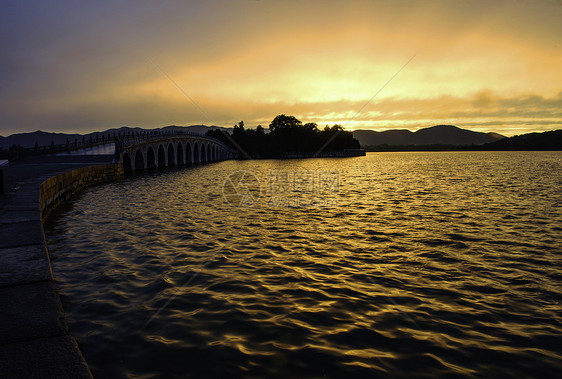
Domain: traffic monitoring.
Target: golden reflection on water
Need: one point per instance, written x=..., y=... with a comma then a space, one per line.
x=427, y=263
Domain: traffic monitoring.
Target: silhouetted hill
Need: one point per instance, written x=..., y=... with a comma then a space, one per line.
x=45, y=138
x=435, y=135
x=496, y=135
x=551, y=140
x=389, y=137
x=42, y=139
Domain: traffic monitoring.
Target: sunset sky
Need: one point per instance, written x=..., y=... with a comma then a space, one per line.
x=69, y=66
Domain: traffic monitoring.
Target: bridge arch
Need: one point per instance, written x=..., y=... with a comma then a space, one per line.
x=196, y=156
x=179, y=155
x=139, y=160
x=150, y=158
x=146, y=151
x=171, y=158
x=188, y=153
x=161, y=156
x=203, y=151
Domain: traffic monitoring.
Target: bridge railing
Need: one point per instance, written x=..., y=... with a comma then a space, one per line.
x=140, y=137
x=17, y=152
x=120, y=139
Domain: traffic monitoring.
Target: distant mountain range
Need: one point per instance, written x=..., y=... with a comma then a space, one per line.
x=551, y=140
x=435, y=135
x=439, y=137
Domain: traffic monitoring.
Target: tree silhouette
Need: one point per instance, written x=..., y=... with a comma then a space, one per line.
x=287, y=134
x=311, y=126
x=238, y=129
x=284, y=122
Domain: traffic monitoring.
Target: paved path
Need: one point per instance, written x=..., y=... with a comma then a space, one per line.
x=34, y=337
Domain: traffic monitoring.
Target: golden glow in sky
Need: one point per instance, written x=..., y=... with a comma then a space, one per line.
x=481, y=66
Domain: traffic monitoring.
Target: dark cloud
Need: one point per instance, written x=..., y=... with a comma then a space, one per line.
x=80, y=66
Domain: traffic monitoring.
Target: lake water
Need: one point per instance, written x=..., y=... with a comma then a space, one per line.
x=394, y=264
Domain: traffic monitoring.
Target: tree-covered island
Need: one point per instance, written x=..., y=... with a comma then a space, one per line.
x=289, y=137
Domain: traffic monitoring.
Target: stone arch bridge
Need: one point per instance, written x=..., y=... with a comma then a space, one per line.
x=157, y=150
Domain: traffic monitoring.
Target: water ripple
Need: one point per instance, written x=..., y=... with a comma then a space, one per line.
x=426, y=264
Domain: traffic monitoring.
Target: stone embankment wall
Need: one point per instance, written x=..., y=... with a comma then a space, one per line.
x=34, y=338
x=60, y=188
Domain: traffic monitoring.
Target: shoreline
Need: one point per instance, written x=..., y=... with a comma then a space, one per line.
x=34, y=337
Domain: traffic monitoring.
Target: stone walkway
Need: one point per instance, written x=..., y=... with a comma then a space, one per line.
x=34, y=337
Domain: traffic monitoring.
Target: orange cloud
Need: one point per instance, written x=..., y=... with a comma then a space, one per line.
x=320, y=60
